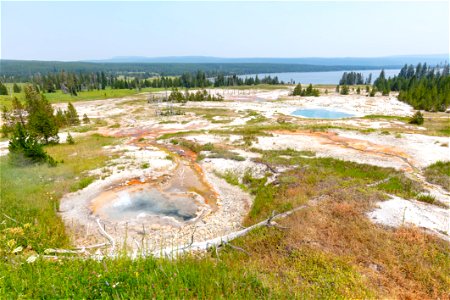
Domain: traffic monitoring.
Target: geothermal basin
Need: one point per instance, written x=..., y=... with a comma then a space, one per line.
x=145, y=201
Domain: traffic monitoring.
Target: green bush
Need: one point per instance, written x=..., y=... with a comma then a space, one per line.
x=24, y=148
x=417, y=118
x=70, y=139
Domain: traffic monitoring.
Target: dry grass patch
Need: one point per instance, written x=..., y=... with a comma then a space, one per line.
x=332, y=250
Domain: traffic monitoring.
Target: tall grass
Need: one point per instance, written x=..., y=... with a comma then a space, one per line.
x=123, y=278
x=31, y=194
x=439, y=173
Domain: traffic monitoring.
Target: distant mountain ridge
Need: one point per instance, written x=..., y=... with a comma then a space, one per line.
x=177, y=65
x=398, y=60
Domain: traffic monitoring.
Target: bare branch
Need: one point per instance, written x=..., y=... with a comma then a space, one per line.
x=105, y=234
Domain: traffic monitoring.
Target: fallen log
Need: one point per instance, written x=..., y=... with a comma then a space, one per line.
x=171, y=252
x=174, y=252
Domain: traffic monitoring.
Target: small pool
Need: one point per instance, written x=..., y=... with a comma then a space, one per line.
x=149, y=203
x=321, y=113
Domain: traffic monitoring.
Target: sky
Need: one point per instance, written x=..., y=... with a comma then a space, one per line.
x=98, y=30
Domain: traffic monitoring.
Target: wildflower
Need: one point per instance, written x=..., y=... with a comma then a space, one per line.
x=32, y=259
x=49, y=251
x=16, y=230
x=17, y=250
x=11, y=243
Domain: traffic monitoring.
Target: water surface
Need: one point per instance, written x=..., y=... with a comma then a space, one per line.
x=320, y=113
x=331, y=77
x=149, y=202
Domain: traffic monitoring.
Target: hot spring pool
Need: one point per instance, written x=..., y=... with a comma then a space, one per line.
x=320, y=113
x=147, y=202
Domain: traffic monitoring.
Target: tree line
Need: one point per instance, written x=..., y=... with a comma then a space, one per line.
x=202, y=95
x=353, y=78
x=423, y=87
x=73, y=83
x=309, y=91
x=21, y=70
x=234, y=80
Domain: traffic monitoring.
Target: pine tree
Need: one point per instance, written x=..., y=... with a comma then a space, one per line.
x=417, y=118
x=344, y=90
x=60, y=118
x=41, y=121
x=3, y=89
x=70, y=139
x=25, y=148
x=297, y=90
x=16, y=88
x=86, y=119
x=72, y=115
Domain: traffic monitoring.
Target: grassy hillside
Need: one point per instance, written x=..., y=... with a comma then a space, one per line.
x=330, y=250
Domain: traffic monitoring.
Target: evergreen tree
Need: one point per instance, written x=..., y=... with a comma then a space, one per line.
x=60, y=118
x=297, y=90
x=16, y=88
x=344, y=90
x=70, y=139
x=41, y=121
x=25, y=148
x=3, y=89
x=86, y=119
x=423, y=87
x=417, y=118
x=72, y=115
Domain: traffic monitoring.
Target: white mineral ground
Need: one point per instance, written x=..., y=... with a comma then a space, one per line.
x=409, y=152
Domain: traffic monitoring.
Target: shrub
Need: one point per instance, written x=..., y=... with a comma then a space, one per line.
x=70, y=139
x=344, y=90
x=24, y=148
x=417, y=118
x=86, y=119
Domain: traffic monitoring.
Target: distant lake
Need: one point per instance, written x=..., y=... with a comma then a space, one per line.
x=331, y=77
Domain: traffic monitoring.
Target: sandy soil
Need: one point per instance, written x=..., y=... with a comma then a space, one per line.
x=398, y=212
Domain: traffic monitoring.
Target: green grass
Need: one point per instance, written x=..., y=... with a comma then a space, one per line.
x=439, y=173
x=122, y=278
x=430, y=199
x=60, y=97
x=82, y=183
x=31, y=194
x=385, y=117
